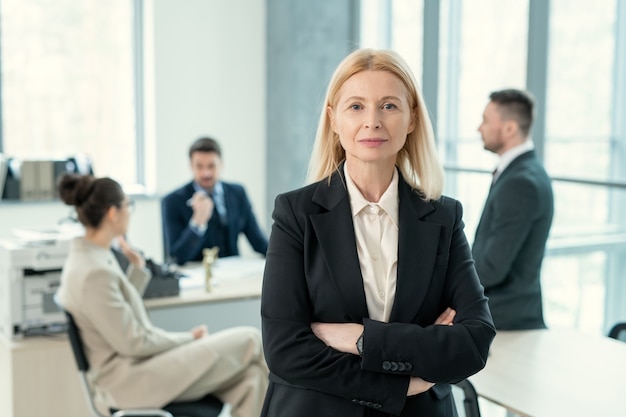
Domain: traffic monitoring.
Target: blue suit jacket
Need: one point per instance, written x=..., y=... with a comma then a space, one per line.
x=510, y=242
x=184, y=245
x=312, y=274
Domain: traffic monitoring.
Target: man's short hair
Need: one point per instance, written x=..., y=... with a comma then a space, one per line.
x=517, y=105
x=205, y=144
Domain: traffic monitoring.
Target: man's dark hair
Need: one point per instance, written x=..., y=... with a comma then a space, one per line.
x=517, y=105
x=205, y=144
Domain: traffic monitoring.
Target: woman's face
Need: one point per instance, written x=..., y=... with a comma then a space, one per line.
x=123, y=215
x=372, y=117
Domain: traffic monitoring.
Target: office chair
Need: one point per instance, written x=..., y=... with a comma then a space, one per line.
x=618, y=331
x=470, y=400
x=205, y=407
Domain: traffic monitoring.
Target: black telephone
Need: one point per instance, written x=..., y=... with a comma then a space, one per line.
x=164, y=282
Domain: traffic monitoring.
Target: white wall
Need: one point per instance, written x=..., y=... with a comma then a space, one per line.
x=210, y=79
x=207, y=76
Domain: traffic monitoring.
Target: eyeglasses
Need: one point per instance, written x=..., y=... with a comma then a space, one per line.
x=130, y=204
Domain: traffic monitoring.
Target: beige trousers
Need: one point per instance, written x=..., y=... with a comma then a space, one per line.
x=240, y=375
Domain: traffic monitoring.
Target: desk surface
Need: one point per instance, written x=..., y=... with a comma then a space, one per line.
x=556, y=372
x=233, y=278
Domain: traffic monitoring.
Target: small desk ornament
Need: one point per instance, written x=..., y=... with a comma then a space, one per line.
x=209, y=256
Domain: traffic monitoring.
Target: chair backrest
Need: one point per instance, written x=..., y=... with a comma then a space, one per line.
x=77, y=343
x=209, y=406
x=73, y=332
x=470, y=400
x=82, y=363
x=618, y=331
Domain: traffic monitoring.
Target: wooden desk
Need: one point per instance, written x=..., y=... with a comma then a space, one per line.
x=235, y=299
x=233, y=278
x=38, y=375
x=556, y=372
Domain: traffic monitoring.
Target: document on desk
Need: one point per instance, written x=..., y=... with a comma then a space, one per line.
x=225, y=270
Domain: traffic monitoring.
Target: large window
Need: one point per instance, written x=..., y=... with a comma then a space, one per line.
x=579, y=139
x=481, y=49
x=68, y=82
x=580, y=129
x=394, y=24
x=584, y=151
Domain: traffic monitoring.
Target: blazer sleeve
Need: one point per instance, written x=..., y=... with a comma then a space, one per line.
x=251, y=228
x=293, y=353
x=127, y=330
x=512, y=217
x=139, y=277
x=436, y=353
x=180, y=240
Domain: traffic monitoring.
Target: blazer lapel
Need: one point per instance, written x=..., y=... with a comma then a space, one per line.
x=335, y=232
x=513, y=165
x=188, y=193
x=417, y=252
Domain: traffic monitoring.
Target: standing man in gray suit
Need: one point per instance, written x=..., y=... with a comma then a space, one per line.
x=511, y=236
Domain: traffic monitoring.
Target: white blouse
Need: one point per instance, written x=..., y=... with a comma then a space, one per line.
x=376, y=232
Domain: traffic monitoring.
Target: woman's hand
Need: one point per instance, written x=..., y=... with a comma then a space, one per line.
x=200, y=331
x=339, y=336
x=132, y=255
x=343, y=336
x=446, y=318
x=417, y=385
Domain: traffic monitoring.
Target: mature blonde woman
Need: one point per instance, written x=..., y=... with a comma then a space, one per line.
x=371, y=304
x=133, y=363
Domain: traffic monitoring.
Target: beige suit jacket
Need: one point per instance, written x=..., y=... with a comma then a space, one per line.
x=133, y=363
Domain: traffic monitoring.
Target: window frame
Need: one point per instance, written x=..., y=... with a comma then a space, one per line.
x=536, y=80
x=138, y=46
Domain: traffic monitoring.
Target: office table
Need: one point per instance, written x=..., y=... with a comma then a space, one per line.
x=233, y=278
x=38, y=375
x=235, y=299
x=556, y=372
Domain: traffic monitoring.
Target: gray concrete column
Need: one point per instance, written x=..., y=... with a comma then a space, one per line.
x=305, y=42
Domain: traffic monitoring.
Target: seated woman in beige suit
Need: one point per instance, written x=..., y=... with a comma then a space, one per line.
x=133, y=363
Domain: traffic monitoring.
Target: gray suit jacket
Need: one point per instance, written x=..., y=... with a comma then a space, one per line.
x=510, y=243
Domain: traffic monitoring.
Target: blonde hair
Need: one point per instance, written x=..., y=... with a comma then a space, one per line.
x=417, y=160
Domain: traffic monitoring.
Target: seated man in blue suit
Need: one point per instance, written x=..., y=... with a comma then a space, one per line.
x=208, y=212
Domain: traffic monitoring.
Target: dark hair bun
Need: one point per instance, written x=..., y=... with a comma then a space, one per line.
x=74, y=188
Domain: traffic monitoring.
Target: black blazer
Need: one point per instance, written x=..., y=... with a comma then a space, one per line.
x=510, y=243
x=183, y=245
x=312, y=273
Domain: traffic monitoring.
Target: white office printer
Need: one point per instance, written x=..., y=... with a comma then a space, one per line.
x=30, y=273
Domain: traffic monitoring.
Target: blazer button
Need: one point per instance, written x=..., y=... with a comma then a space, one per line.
x=394, y=366
x=408, y=366
x=377, y=406
x=401, y=366
x=386, y=365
